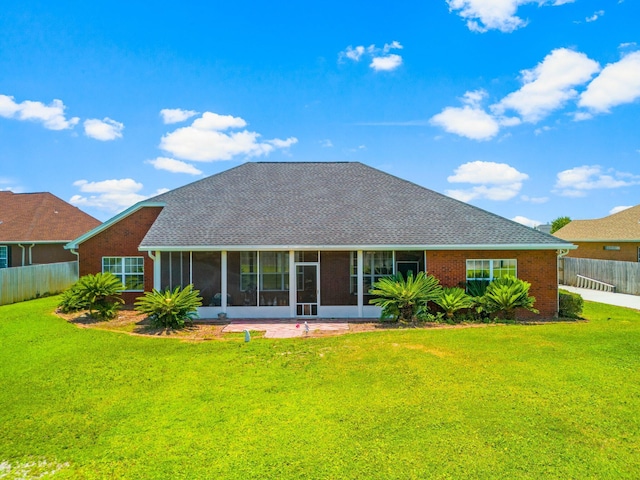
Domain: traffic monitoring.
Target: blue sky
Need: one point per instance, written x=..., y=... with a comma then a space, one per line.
x=528, y=109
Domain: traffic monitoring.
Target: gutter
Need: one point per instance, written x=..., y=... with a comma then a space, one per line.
x=232, y=248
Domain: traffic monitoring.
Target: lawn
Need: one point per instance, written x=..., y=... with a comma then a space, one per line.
x=509, y=401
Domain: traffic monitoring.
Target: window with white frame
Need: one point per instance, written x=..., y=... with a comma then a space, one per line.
x=487, y=270
x=248, y=271
x=130, y=271
x=274, y=271
x=4, y=256
x=375, y=265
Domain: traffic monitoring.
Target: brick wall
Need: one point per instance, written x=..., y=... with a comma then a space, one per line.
x=120, y=240
x=538, y=267
x=628, y=251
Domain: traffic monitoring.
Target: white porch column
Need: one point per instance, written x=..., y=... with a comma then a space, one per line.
x=292, y=284
x=223, y=280
x=157, y=271
x=360, y=283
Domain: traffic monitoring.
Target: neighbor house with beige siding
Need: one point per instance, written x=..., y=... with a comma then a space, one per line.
x=616, y=237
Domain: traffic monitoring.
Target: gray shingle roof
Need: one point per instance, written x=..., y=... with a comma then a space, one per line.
x=324, y=204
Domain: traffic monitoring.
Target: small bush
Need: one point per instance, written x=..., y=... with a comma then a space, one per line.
x=452, y=300
x=403, y=298
x=71, y=301
x=570, y=305
x=99, y=293
x=170, y=309
x=505, y=295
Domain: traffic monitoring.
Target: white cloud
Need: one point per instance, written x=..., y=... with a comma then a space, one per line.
x=387, y=63
x=176, y=115
x=497, y=181
x=381, y=59
x=484, y=15
x=205, y=141
x=174, y=166
x=486, y=173
x=618, y=83
x=105, y=129
x=326, y=143
x=595, y=16
x=619, y=209
x=527, y=221
x=353, y=53
x=541, y=130
x=549, y=85
x=468, y=122
x=534, y=200
x=502, y=193
x=51, y=116
x=109, y=195
x=575, y=182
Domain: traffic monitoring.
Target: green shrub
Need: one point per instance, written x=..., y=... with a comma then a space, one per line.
x=170, y=309
x=70, y=301
x=454, y=299
x=506, y=294
x=403, y=298
x=476, y=288
x=99, y=293
x=570, y=304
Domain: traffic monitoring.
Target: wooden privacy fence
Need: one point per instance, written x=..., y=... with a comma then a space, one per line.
x=624, y=276
x=24, y=283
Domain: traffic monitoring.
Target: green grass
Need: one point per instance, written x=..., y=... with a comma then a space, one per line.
x=508, y=401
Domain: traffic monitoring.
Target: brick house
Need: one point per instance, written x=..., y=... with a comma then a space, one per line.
x=284, y=240
x=35, y=227
x=616, y=237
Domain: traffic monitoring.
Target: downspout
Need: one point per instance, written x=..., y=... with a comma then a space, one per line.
x=23, y=256
x=156, y=269
x=561, y=253
x=77, y=254
x=31, y=253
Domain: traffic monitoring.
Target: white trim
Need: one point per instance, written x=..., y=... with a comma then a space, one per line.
x=293, y=294
x=73, y=244
x=34, y=242
x=223, y=280
x=360, y=274
x=239, y=248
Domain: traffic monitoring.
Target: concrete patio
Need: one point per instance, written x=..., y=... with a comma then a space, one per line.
x=288, y=328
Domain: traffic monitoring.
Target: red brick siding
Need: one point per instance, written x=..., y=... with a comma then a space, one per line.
x=120, y=240
x=628, y=251
x=538, y=267
x=50, y=253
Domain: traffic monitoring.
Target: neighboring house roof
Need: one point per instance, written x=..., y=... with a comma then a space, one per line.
x=621, y=226
x=330, y=205
x=40, y=218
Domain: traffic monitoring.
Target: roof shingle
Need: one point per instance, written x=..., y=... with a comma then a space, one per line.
x=40, y=217
x=621, y=226
x=324, y=204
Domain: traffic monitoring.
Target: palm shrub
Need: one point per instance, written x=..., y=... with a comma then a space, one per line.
x=99, y=293
x=70, y=301
x=505, y=295
x=453, y=299
x=170, y=309
x=402, y=298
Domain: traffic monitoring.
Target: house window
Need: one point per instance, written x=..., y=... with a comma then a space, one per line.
x=375, y=265
x=130, y=271
x=274, y=271
x=488, y=270
x=248, y=271
x=611, y=247
x=4, y=256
